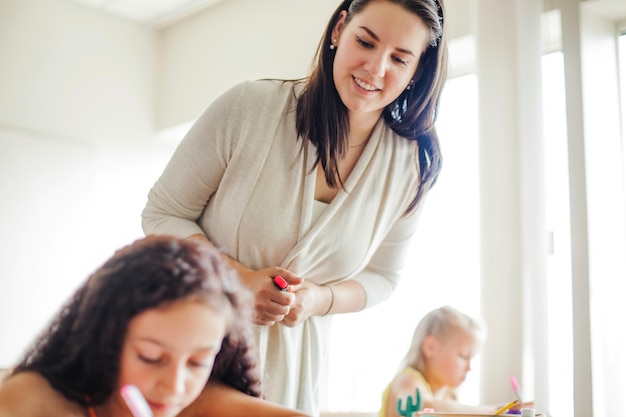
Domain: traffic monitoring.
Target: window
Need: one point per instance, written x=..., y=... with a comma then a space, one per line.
x=558, y=222
x=605, y=207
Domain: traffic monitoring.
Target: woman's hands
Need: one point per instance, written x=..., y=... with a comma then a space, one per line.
x=301, y=300
x=311, y=300
x=271, y=305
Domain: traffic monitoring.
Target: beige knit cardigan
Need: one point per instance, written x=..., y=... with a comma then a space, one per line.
x=241, y=177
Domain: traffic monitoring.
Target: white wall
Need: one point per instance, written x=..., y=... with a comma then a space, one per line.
x=74, y=84
x=234, y=41
x=73, y=72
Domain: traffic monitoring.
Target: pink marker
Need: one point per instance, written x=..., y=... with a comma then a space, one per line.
x=516, y=388
x=281, y=283
x=135, y=401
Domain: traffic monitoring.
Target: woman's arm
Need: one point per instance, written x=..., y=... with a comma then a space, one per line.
x=382, y=274
x=218, y=400
x=194, y=172
x=271, y=305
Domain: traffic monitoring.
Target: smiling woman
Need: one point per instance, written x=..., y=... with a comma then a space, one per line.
x=376, y=56
x=319, y=180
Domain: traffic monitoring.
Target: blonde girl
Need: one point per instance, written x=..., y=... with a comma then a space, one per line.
x=444, y=343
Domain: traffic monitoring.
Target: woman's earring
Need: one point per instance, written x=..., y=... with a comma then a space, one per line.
x=408, y=87
x=332, y=44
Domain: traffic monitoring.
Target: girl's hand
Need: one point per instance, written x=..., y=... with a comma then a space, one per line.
x=270, y=303
x=519, y=406
x=311, y=300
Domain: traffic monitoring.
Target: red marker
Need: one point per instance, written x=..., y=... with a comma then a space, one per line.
x=281, y=283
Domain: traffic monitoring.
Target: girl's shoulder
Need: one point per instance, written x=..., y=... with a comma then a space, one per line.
x=407, y=381
x=409, y=374
x=29, y=394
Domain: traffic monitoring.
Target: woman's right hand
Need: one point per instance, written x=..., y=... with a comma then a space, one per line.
x=271, y=304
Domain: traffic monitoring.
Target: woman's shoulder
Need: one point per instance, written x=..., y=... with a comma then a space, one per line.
x=395, y=139
x=400, y=156
x=265, y=93
x=264, y=85
x=29, y=394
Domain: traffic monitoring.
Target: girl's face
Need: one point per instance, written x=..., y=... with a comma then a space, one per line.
x=449, y=359
x=169, y=353
x=377, y=54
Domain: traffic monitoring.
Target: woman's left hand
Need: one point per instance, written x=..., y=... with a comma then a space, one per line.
x=311, y=300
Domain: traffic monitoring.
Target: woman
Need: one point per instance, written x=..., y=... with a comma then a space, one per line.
x=318, y=180
x=162, y=314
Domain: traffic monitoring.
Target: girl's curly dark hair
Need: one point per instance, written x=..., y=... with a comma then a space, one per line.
x=79, y=353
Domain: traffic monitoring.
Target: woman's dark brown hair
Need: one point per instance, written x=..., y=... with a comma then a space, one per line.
x=322, y=118
x=79, y=354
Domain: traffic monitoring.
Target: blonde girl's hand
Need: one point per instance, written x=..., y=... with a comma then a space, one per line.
x=527, y=404
x=311, y=300
x=271, y=304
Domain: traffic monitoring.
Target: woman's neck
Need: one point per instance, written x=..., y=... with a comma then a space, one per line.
x=361, y=126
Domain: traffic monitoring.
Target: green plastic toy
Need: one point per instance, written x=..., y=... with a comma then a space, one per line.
x=411, y=407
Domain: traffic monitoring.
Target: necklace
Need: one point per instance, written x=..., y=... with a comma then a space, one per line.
x=358, y=146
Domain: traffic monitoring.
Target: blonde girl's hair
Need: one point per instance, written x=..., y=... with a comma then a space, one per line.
x=441, y=323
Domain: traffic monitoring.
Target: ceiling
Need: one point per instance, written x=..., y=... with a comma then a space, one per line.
x=152, y=13
x=610, y=9
x=159, y=13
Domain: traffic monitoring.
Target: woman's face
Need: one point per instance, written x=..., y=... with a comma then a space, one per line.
x=377, y=54
x=169, y=353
